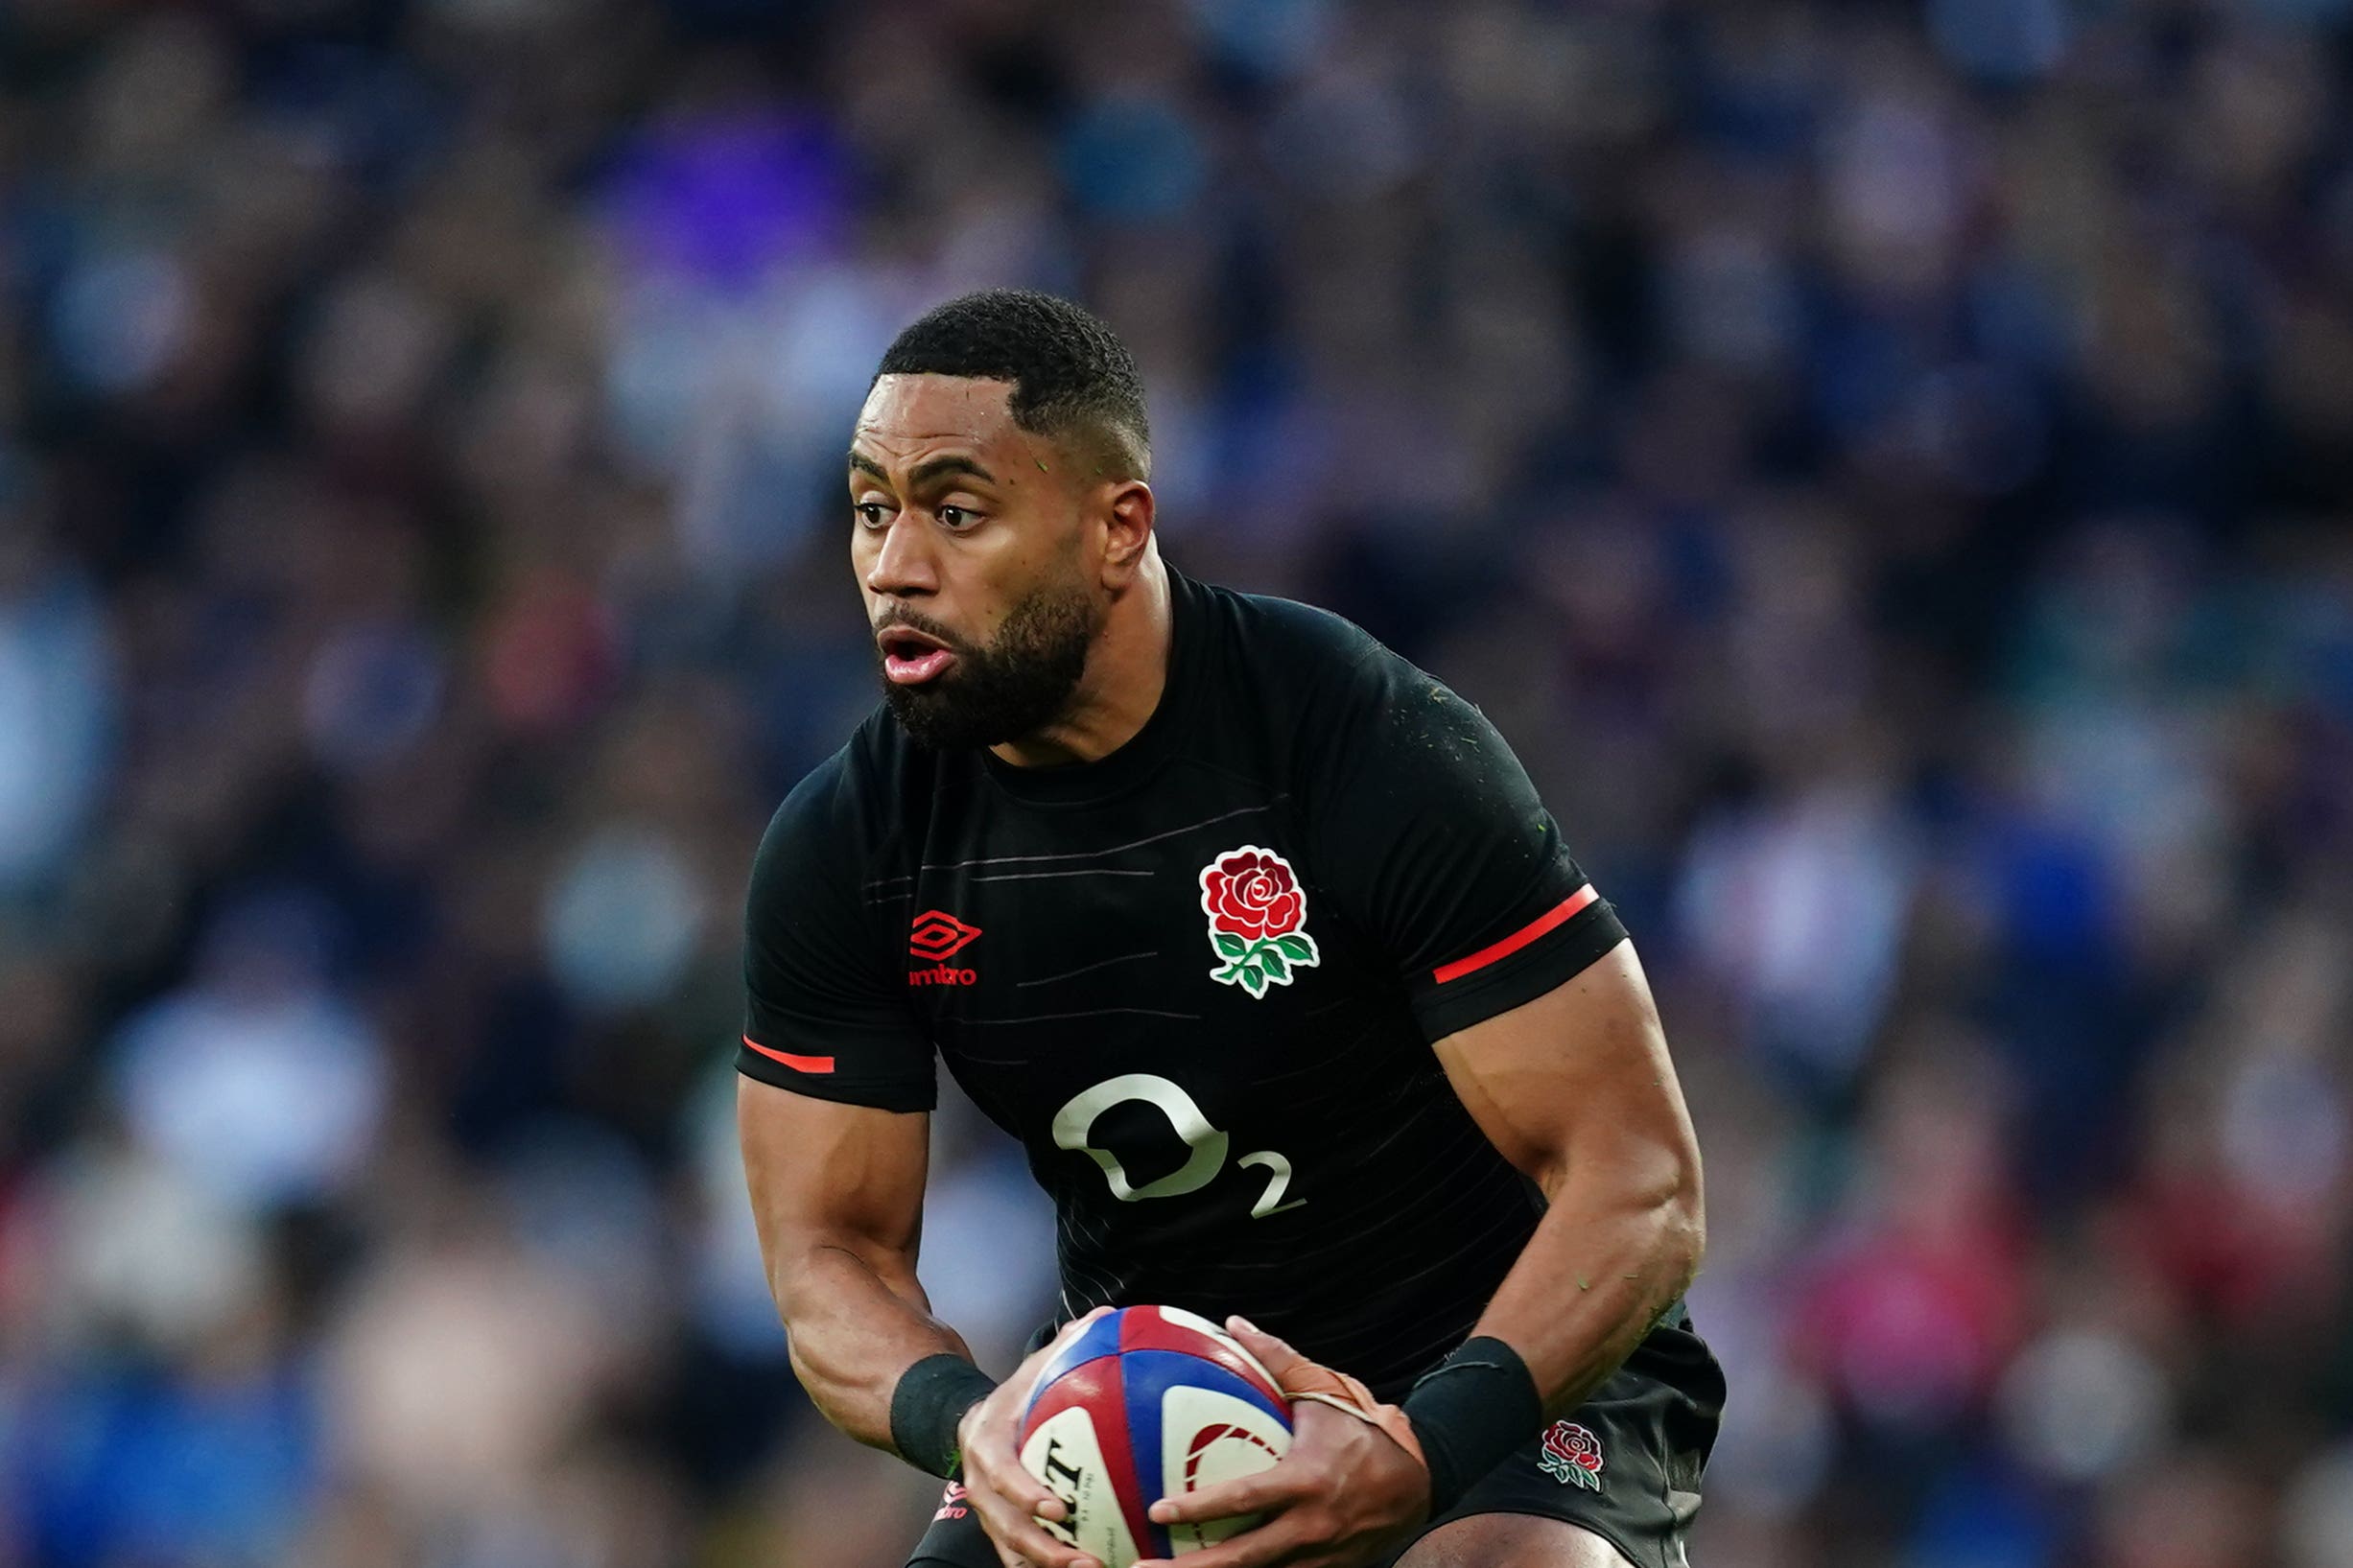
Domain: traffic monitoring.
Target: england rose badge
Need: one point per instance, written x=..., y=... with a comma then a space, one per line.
x=1572, y=1456
x=1256, y=914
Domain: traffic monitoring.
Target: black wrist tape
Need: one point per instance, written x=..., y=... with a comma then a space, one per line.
x=931, y=1399
x=1471, y=1411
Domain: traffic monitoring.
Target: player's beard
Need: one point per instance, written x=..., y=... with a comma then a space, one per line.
x=1016, y=686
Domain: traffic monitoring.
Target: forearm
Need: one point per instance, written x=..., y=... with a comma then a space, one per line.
x=836, y=1194
x=856, y=1323
x=1609, y=1258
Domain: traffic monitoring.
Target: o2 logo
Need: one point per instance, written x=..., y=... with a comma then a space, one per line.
x=1208, y=1144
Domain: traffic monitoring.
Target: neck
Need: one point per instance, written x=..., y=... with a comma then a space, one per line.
x=1127, y=671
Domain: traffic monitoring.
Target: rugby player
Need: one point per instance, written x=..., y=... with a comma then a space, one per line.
x=1261, y=942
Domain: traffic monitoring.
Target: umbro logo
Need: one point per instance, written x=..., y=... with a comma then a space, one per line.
x=938, y=936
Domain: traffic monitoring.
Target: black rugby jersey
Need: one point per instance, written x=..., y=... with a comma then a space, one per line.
x=1198, y=977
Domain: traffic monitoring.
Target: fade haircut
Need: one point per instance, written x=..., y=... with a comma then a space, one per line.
x=1072, y=376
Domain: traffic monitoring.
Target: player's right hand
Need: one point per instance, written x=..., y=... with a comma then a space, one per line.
x=1010, y=1500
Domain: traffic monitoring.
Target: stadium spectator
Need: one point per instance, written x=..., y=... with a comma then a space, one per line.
x=1887, y=468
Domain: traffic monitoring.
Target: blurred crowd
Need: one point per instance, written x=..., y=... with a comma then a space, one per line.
x=1887, y=466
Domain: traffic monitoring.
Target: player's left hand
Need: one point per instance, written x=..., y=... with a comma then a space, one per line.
x=1352, y=1485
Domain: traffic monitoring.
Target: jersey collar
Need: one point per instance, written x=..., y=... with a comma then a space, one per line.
x=1144, y=753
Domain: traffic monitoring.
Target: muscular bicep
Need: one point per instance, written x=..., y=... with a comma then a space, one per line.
x=1574, y=1087
x=825, y=1175
x=1580, y=1078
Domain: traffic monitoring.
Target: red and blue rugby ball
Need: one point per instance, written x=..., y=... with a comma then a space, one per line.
x=1145, y=1403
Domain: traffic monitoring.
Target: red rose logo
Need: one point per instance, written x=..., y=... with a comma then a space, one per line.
x=1572, y=1455
x=1256, y=911
x=1251, y=895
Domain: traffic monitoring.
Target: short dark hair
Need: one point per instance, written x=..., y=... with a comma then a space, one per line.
x=1071, y=373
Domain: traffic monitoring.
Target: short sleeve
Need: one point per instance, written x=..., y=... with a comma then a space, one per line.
x=1429, y=833
x=821, y=1017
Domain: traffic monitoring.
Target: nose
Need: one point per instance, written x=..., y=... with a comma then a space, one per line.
x=900, y=561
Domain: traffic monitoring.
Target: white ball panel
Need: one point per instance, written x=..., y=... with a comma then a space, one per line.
x=1064, y=1453
x=1209, y=1436
x=1192, y=1321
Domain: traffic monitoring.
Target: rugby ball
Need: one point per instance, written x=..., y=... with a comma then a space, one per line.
x=1145, y=1403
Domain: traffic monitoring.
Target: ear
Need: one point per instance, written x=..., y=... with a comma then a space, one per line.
x=1127, y=512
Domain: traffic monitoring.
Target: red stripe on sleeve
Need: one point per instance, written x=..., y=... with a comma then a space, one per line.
x=1518, y=939
x=798, y=1063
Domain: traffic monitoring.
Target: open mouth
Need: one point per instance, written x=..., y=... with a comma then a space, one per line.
x=909, y=656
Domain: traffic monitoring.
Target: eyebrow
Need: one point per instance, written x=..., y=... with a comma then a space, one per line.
x=923, y=473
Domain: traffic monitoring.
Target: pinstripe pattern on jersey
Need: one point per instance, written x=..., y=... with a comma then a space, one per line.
x=1165, y=833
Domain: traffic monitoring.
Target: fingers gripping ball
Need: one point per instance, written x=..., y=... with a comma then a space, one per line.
x=1147, y=1403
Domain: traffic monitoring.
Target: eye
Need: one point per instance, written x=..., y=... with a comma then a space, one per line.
x=872, y=513
x=957, y=518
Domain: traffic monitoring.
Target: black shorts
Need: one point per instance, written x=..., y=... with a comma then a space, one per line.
x=1625, y=1466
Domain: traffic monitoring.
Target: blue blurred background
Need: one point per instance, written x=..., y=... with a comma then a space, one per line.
x=1888, y=467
